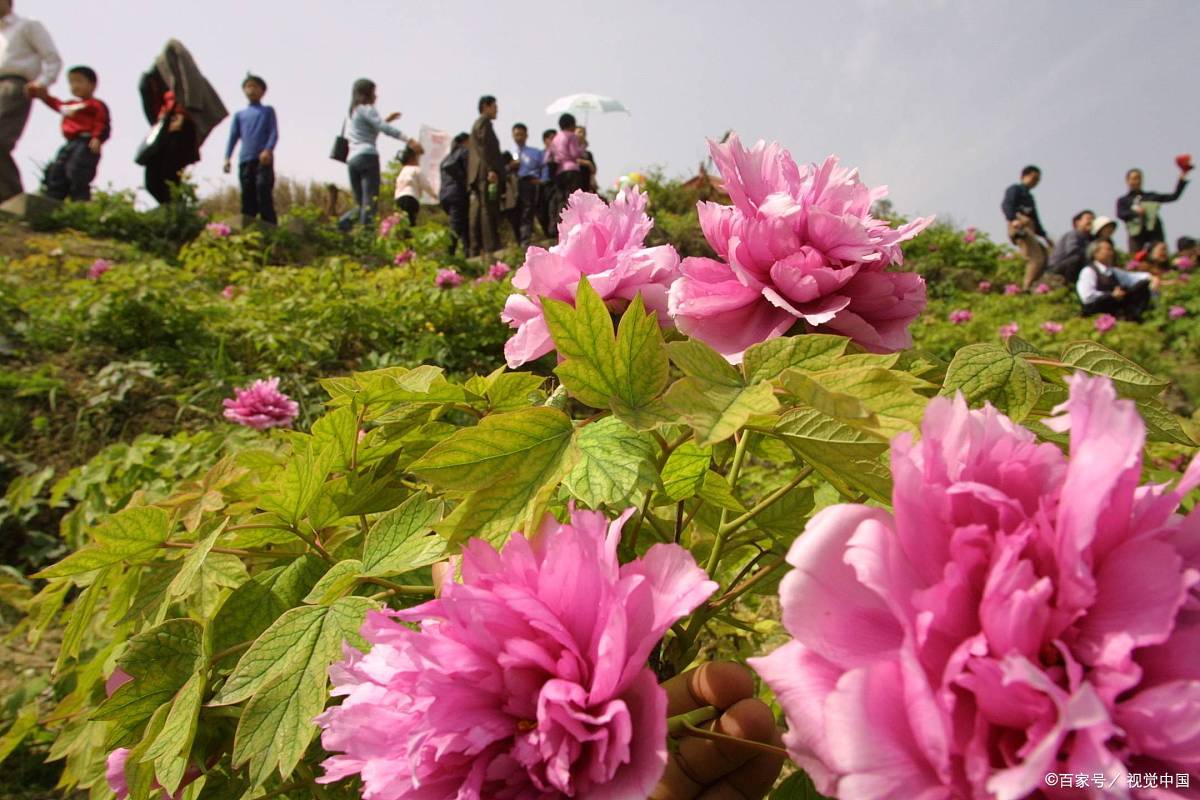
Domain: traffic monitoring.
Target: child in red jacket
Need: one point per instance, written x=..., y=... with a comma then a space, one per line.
x=86, y=127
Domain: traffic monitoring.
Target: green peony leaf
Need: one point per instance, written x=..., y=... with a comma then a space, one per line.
x=509, y=391
x=1162, y=425
x=403, y=540
x=809, y=353
x=683, y=474
x=615, y=460
x=717, y=411
x=1130, y=379
x=697, y=360
x=889, y=398
x=133, y=535
x=848, y=458
x=336, y=582
x=624, y=375
x=302, y=479
x=988, y=372
x=171, y=746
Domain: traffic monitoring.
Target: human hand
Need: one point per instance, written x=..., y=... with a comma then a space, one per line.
x=34, y=89
x=95, y=144
x=392, y=117
x=1155, y=283
x=265, y=158
x=706, y=768
x=492, y=177
x=415, y=144
x=176, y=123
x=1118, y=292
x=228, y=167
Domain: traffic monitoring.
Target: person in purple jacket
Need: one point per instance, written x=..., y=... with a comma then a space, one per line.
x=256, y=127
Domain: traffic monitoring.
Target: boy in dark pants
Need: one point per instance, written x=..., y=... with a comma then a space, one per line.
x=258, y=130
x=85, y=126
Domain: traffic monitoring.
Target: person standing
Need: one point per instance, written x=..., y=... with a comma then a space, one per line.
x=363, y=129
x=1024, y=227
x=86, y=126
x=29, y=64
x=258, y=129
x=566, y=153
x=453, y=192
x=486, y=171
x=530, y=162
x=587, y=164
x=411, y=183
x=546, y=187
x=1071, y=253
x=1139, y=209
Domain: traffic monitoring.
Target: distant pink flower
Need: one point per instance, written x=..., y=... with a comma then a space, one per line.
x=985, y=286
x=218, y=229
x=1051, y=327
x=1042, y=288
x=1105, y=322
x=960, y=316
x=229, y=292
x=526, y=680
x=98, y=268
x=1184, y=277
x=1018, y=613
x=261, y=405
x=499, y=271
x=1008, y=330
x=798, y=246
x=386, y=225
x=1176, y=312
x=604, y=243
x=1012, y=289
x=970, y=235
x=403, y=257
x=1184, y=263
x=447, y=279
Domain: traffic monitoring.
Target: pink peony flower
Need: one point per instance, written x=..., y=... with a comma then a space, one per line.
x=261, y=406
x=218, y=229
x=985, y=286
x=229, y=292
x=447, y=279
x=1184, y=277
x=1176, y=312
x=970, y=235
x=387, y=223
x=403, y=257
x=1012, y=289
x=526, y=680
x=1105, y=322
x=1184, y=263
x=961, y=316
x=1051, y=327
x=1042, y=288
x=499, y=271
x=98, y=268
x=1019, y=613
x=605, y=243
x=1008, y=330
x=114, y=772
x=798, y=245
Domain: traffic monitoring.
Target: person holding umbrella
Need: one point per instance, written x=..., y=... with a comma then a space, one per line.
x=183, y=108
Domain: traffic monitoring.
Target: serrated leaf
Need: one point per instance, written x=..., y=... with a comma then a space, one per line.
x=337, y=431
x=257, y=603
x=683, y=474
x=508, y=391
x=697, y=360
x=133, y=535
x=474, y=458
x=301, y=480
x=336, y=582
x=614, y=461
x=189, y=568
x=987, y=372
x=1130, y=379
x=402, y=540
x=810, y=352
x=625, y=374
x=1162, y=425
x=171, y=746
x=716, y=411
x=848, y=458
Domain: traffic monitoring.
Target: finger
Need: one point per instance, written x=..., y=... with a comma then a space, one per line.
x=706, y=761
x=750, y=781
x=716, y=683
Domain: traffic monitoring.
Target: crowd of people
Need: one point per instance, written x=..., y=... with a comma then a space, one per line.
x=1086, y=257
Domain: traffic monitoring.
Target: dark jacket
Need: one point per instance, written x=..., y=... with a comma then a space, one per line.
x=175, y=70
x=454, y=177
x=483, y=152
x=1019, y=200
x=1126, y=202
x=1070, y=256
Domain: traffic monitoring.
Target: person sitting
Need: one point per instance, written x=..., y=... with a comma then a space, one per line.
x=1103, y=228
x=1105, y=289
x=1158, y=260
x=1187, y=251
x=1070, y=255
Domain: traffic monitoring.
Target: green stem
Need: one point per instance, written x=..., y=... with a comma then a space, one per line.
x=735, y=470
x=233, y=551
x=399, y=588
x=762, y=747
x=312, y=542
x=679, y=723
x=282, y=790
x=745, y=586
x=218, y=656
x=766, y=502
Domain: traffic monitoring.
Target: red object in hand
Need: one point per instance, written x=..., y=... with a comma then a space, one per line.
x=1141, y=255
x=1184, y=162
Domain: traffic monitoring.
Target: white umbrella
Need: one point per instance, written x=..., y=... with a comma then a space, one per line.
x=585, y=102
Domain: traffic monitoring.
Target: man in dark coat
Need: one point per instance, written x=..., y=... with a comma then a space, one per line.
x=452, y=193
x=1024, y=226
x=485, y=169
x=1139, y=209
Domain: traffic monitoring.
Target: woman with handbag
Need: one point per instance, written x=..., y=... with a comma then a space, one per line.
x=360, y=132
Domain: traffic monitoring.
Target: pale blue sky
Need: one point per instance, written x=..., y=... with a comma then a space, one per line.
x=942, y=101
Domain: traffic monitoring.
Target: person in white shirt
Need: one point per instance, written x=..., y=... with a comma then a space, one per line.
x=411, y=183
x=29, y=63
x=1105, y=289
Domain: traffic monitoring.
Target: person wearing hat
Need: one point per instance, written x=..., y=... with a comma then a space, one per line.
x=1104, y=228
x=1024, y=228
x=1139, y=208
x=1071, y=253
